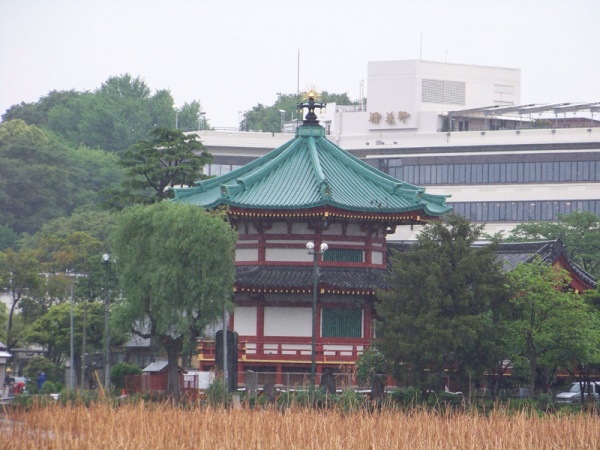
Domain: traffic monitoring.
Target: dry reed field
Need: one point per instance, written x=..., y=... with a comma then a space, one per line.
x=152, y=426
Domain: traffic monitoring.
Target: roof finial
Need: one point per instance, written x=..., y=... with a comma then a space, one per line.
x=310, y=103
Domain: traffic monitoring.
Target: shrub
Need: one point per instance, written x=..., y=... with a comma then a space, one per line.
x=370, y=363
x=350, y=401
x=217, y=393
x=407, y=396
x=49, y=388
x=120, y=370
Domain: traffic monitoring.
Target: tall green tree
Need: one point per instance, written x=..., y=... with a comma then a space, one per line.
x=579, y=230
x=66, y=261
x=20, y=277
x=440, y=310
x=170, y=159
x=268, y=118
x=189, y=119
x=52, y=331
x=549, y=325
x=97, y=224
x=176, y=268
x=119, y=113
x=68, y=250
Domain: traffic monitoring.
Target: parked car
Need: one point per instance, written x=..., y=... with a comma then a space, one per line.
x=573, y=395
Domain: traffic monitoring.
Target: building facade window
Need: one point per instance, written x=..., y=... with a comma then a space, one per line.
x=220, y=169
x=341, y=323
x=344, y=255
x=498, y=172
x=522, y=211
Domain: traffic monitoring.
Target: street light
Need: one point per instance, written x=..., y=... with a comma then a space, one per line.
x=282, y=112
x=201, y=120
x=310, y=246
x=106, y=262
x=72, y=363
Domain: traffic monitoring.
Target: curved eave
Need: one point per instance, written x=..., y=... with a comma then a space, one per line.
x=216, y=198
x=430, y=210
x=332, y=214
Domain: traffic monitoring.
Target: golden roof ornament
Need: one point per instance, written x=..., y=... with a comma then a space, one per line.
x=310, y=97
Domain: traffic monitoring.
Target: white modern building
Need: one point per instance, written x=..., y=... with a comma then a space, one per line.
x=460, y=130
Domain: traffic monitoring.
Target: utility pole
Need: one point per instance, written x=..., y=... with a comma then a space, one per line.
x=72, y=383
x=106, y=262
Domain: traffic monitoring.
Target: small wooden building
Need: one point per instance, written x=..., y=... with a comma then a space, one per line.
x=154, y=378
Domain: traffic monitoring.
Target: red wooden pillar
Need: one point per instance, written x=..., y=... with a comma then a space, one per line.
x=260, y=329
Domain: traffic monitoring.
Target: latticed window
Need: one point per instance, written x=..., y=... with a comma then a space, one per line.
x=344, y=255
x=341, y=322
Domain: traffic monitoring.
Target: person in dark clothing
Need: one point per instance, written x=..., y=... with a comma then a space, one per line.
x=41, y=379
x=7, y=382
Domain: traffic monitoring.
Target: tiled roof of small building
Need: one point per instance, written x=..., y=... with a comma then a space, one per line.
x=308, y=172
x=513, y=253
x=156, y=365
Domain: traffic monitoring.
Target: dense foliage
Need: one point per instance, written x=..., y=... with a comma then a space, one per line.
x=580, y=232
x=548, y=325
x=112, y=118
x=440, y=308
x=42, y=179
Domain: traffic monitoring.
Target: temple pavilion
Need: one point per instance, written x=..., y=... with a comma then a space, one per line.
x=308, y=191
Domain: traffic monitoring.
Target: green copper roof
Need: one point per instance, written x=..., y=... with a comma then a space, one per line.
x=307, y=172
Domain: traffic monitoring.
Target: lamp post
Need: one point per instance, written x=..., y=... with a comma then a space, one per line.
x=201, y=120
x=282, y=112
x=310, y=246
x=72, y=384
x=106, y=262
x=72, y=364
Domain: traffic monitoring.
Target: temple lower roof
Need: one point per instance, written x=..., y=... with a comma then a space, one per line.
x=348, y=280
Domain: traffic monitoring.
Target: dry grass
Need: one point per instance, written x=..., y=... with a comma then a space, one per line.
x=151, y=426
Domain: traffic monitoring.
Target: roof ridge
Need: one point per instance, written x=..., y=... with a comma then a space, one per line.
x=385, y=181
x=281, y=157
x=323, y=184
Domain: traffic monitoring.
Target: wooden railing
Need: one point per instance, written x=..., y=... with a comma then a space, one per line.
x=290, y=350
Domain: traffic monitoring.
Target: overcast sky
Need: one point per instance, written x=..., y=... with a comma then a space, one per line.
x=231, y=55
